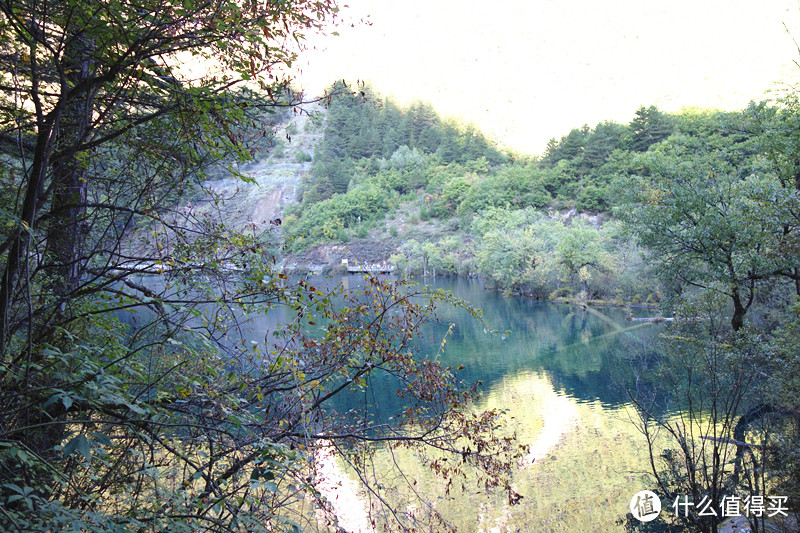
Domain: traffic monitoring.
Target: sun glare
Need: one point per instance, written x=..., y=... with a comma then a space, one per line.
x=527, y=71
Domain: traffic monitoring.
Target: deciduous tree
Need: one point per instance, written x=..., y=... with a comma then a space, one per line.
x=694, y=210
x=130, y=396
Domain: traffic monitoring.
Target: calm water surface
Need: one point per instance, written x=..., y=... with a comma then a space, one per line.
x=562, y=374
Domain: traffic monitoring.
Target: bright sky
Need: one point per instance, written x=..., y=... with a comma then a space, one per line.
x=527, y=70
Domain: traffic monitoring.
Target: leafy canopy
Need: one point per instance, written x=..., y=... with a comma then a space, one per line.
x=131, y=397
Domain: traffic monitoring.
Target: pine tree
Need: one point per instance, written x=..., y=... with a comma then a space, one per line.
x=649, y=126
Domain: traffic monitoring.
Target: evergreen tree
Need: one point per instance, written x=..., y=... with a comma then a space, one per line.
x=551, y=154
x=448, y=147
x=600, y=143
x=572, y=145
x=649, y=126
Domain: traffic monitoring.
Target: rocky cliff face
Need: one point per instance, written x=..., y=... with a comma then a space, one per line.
x=276, y=178
x=275, y=185
x=275, y=181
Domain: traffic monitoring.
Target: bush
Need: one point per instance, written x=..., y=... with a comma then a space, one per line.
x=303, y=157
x=563, y=292
x=592, y=198
x=278, y=150
x=453, y=225
x=424, y=215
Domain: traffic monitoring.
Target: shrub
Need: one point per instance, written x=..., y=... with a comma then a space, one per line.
x=303, y=157
x=563, y=292
x=424, y=215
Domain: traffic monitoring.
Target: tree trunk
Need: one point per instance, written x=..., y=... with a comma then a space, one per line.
x=19, y=242
x=66, y=233
x=797, y=281
x=739, y=311
x=42, y=428
x=739, y=431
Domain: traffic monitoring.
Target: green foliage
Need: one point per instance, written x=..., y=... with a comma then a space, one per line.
x=404, y=158
x=361, y=125
x=516, y=251
x=424, y=215
x=452, y=194
x=579, y=247
x=592, y=198
x=600, y=143
x=446, y=257
x=526, y=252
x=303, y=157
x=701, y=212
x=130, y=397
x=648, y=127
x=369, y=140
x=721, y=435
x=323, y=219
x=714, y=203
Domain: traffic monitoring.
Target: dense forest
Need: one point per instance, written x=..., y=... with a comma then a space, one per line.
x=543, y=226
x=133, y=397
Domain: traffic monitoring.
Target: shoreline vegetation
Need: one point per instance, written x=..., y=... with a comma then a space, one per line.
x=341, y=270
x=430, y=196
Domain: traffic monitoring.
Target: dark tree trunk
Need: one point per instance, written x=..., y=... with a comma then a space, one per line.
x=797, y=281
x=739, y=311
x=19, y=241
x=66, y=233
x=739, y=430
x=58, y=160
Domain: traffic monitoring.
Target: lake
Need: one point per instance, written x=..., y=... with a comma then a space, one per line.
x=562, y=374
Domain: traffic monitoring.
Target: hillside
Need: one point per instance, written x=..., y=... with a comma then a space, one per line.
x=364, y=180
x=276, y=172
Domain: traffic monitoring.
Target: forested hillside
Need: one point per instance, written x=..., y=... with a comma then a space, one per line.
x=449, y=202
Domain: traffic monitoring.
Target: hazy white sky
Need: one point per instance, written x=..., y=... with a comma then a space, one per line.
x=528, y=70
